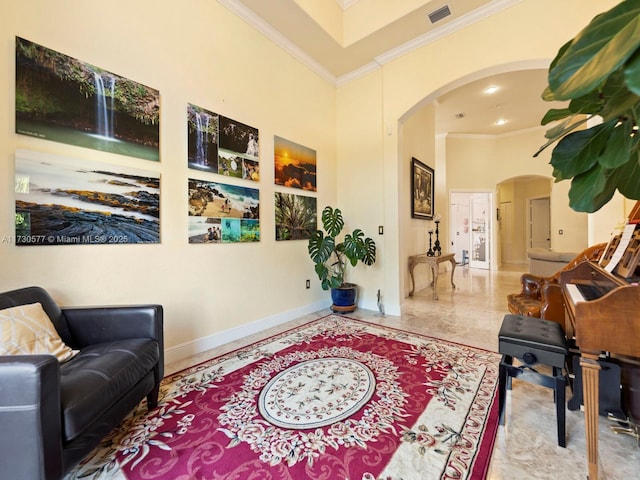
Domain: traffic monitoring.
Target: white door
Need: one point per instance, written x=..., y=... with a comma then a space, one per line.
x=460, y=232
x=480, y=235
x=540, y=223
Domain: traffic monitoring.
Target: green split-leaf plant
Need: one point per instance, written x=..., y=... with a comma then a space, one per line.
x=330, y=256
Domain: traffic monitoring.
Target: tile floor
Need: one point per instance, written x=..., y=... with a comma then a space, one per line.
x=526, y=448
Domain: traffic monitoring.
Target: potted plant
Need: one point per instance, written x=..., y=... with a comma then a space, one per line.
x=331, y=258
x=599, y=72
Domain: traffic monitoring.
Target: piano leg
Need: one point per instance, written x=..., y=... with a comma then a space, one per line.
x=591, y=388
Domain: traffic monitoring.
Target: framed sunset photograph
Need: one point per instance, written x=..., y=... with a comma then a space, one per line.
x=295, y=164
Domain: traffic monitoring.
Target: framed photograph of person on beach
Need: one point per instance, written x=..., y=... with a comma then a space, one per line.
x=223, y=213
x=421, y=190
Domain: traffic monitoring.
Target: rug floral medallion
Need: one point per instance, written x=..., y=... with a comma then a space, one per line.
x=335, y=399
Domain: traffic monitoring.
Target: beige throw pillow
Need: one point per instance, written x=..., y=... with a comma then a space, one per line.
x=27, y=329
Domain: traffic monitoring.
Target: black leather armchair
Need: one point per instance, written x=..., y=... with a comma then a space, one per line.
x=53, y=414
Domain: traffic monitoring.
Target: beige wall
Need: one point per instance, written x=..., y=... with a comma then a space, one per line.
x=361, y=188
x=197, y=52
x=203, y=54
x=526, y=33
x=418, y=140
x=476, y=162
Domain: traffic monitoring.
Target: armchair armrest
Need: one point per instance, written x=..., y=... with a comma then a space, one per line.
x=552, y=304
x=531, y=285
x=30, y=437
x=91, y=325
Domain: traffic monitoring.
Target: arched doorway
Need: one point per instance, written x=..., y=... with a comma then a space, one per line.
x=524, y=216
x=462, y=162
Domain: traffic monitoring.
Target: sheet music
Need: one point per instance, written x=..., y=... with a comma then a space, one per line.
x=627, y=233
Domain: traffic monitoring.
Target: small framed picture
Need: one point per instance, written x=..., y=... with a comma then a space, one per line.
x=421, y=190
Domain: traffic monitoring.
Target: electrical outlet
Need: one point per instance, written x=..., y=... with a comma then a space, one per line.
x=308, y=284
x=560, y=232
x=380, y=230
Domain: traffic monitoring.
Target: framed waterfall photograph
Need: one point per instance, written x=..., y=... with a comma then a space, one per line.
x=422, y=184
x=66, y=100
x=221, y=145
x=203, y=127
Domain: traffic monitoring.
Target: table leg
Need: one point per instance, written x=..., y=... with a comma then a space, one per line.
x=434, y=271
x=413, y=282
x=453, y=269
x=591, y=399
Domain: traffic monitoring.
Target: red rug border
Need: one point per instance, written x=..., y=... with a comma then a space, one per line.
x=309, y=323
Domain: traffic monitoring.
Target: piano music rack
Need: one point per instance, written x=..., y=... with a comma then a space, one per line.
x=629, y=261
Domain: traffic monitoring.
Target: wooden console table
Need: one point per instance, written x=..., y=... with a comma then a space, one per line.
x=434, y=262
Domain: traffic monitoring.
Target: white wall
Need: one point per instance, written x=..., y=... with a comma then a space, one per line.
x=195, y=52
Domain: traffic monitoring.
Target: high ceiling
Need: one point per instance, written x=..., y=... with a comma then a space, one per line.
x=344, y=39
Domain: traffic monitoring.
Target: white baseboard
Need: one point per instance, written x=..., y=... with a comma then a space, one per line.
x=188, y=349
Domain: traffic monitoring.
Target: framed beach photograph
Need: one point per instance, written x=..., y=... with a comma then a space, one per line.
x=222, y=213
x=75, y=201
x=421, y=190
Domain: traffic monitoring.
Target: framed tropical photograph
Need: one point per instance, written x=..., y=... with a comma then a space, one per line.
x=421, y=190
x=296, y=216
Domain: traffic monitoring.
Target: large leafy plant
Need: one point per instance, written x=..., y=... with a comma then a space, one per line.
x=599, y=72
x=330, y=256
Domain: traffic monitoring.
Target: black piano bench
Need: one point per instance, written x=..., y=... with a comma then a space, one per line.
x=533, y=341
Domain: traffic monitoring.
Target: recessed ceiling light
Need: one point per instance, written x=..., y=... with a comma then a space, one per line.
x=491, y=89
x=501, y=121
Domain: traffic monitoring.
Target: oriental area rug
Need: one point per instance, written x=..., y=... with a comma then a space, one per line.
x=334, y=399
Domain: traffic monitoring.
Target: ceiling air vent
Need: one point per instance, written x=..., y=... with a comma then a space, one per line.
x=439, y=14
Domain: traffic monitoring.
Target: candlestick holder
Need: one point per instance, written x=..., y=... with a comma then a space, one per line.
x=436, y=246
x=430, y=252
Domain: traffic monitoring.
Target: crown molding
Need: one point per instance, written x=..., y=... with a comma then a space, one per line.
x=488, y=136
x=357, y=73
x=344, y=4
x=246, y=14
x=446, y=29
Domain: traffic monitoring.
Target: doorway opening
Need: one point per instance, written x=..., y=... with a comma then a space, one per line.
x=524, y=217
x=470, y=214
x=540, y=223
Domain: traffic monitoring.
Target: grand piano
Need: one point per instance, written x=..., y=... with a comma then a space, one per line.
x=603, y=312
